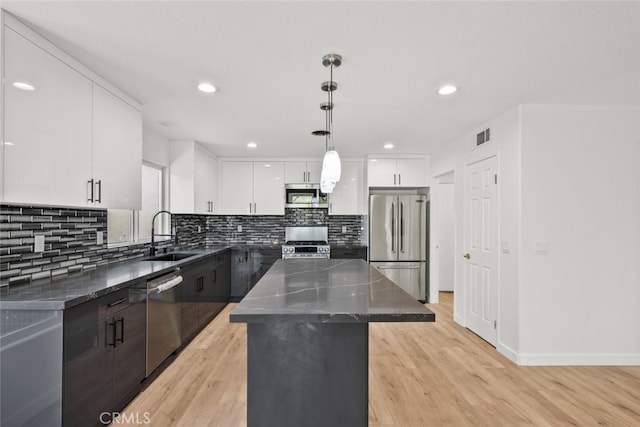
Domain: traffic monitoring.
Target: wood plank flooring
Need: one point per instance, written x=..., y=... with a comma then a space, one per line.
x=420, y=374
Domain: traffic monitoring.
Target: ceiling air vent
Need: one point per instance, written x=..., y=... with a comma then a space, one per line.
x=483, y=137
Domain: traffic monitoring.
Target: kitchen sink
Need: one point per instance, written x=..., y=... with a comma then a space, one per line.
x=174, y=256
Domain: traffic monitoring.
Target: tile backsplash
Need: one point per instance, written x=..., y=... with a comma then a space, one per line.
x=70, y=237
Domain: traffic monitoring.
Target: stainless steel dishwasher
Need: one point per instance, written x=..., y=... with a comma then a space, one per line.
x=163, y=318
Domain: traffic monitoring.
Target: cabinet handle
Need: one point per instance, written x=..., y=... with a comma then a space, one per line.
x=215, y=276
x=99, y=185
x=304, y=176
x=90, y=183
x=246, y=256
x=399, y=179
x=113, y=334
x=330, y=207
x=120, y=301
x=255, y=209
x=249, y=207
x=308, y=176
x=394, y=179
x=121, y=329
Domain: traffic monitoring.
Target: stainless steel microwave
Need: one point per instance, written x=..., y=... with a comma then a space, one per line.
x=305, y=196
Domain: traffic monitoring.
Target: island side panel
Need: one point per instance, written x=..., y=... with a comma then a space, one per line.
x=307, y=374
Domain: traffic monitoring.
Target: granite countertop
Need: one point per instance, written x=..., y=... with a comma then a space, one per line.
x=323, y=291
x=73, y=289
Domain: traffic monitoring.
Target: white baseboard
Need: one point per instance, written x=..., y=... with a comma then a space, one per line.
x=572, y=359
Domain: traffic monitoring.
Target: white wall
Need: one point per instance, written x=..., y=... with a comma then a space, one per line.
x=580, y=302
x=155, y=148
x=445, y=232
x=568, y=176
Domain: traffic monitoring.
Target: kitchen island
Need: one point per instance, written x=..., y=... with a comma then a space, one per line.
x=308, y=340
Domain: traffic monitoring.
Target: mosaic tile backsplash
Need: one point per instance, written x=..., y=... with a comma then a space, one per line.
x=70, y=237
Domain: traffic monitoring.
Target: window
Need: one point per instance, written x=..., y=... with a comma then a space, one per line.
x=127, y=226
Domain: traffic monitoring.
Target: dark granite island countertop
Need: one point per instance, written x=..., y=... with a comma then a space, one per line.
x=328, y=291
x=308, y=340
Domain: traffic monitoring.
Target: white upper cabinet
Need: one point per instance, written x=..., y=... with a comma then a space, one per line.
x=206, y=182
x=117, y=152
x=302, y=172
x=236, y=187
x=268, y=188
x=347, y=197
x=193, y=179
x=67, y=140
x=47, y=131
x=252, y=188
x=405, y=172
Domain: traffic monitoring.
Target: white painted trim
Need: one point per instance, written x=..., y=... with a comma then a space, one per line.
x=459, y=320
x=579, y=359
x=507, y=352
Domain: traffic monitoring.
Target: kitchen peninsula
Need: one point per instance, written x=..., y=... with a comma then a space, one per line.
x=307, y=340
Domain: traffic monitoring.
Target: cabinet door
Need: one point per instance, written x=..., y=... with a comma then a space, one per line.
x=295, y=172
x=47, y=151
x=88, y=373
x=117, y=151
x=261, y=261
x=189, y=298
x=314, y=169
x=205, y=182
x=268, y=188
x=130, y=353
x=348, y=195
x=411, y=172
x=240, y=274
x=237, y=188
x=381, y=173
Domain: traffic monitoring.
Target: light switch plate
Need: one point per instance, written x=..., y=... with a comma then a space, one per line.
x=239, y=228
x=541, y=248
x=99, y=238
x=506, y=247
x=38, y=245
x=344, y=229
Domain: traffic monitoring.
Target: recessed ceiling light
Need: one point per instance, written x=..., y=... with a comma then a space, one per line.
x=373, y=160
x=207, y=87
x=447, y=90
x=267, y=165
x=167, y=123
x=388, y=146
x=7, y=143
x=23, y=86
x=252, y=145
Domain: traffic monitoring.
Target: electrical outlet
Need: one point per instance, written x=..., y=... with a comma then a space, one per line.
x=239, y=229
x=344, y=229
x=38, y=245
x=199, y=229
x=99, y=238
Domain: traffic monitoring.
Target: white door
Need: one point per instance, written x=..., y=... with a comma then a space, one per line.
x=481, y=250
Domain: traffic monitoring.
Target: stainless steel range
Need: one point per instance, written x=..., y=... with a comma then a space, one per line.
x=306, y=242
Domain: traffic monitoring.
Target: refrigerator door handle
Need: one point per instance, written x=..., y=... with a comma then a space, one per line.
x=393, y=228
x=402, y=227
x=410, y=267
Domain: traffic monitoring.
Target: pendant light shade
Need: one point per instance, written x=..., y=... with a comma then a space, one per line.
x=331, y=168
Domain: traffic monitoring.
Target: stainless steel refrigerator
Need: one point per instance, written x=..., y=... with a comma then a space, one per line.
x=398, y=240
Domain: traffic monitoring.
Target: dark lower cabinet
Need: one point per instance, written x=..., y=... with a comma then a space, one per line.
x=248, y=266
x=205, y=292
x=104, y=355
x=338, y=252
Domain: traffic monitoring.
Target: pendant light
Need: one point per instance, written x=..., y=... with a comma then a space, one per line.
x=331, y=167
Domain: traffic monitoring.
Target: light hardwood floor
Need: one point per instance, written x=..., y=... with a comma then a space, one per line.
x=435, y=374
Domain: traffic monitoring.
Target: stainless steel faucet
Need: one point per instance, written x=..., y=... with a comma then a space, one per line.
x=152, y=249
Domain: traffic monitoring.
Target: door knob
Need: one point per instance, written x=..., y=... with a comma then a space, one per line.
x=467, y=256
